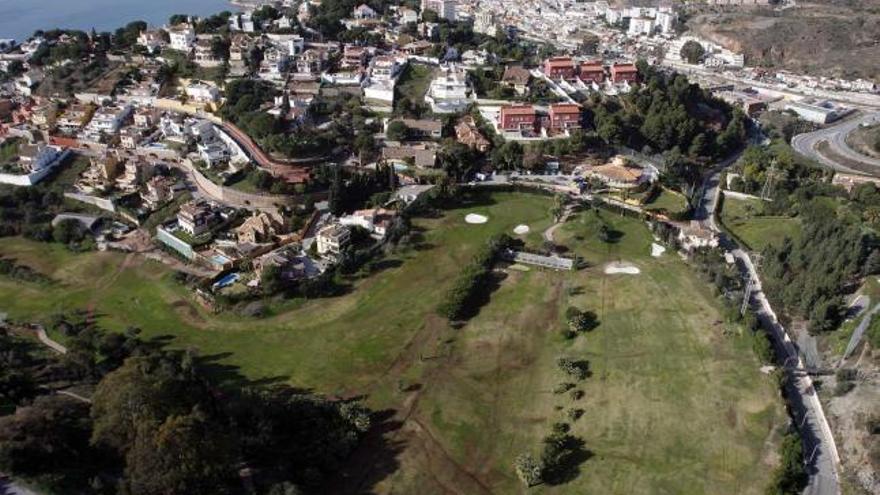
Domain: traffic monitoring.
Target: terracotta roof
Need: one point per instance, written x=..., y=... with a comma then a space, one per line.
x=592, y=67
x=624, y=68
x=518, y=110
x=560, y=62
x=516, y=74
x=565, y=108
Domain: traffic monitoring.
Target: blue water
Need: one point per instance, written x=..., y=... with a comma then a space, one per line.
x=20, y=18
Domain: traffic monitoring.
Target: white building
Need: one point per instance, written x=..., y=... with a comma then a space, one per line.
x=108, y=120
x=449, y=92
x=332, y=239
x=665, y=21
x=153, y=41
x=182, y=37
x=35, y=163
x=640, y=25
x=202, y=92
x=446, y=9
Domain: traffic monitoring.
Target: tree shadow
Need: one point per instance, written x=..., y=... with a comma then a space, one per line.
x=482, y=296
x=611, y=236
x=375, y=458
x=568, y=465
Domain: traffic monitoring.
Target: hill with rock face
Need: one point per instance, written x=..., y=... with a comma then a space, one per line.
x=835, y=38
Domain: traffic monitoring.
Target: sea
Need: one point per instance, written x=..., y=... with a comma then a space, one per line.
x=20, y=18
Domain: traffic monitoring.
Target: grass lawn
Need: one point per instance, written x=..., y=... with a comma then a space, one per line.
x=673, y=406
x=743, y=218
x=670, y=201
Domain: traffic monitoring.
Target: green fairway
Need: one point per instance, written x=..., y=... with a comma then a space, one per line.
x=672, y=406
x=743, y=217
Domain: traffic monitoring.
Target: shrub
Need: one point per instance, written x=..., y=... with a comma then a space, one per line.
x=563, y=388
x=576, y=369
x=528, y=469
x=462, y=297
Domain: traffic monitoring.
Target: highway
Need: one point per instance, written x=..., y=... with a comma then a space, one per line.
x=820, y=449
x=835, y=135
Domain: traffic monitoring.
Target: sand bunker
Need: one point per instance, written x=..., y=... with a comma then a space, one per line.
x=622, y=267
x=521, y=229
x=474, y=218
x=657, y=250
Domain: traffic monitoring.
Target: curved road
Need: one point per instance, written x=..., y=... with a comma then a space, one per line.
x=295, y=172
x=835, y=135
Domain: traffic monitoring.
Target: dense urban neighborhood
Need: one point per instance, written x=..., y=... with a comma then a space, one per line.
x=436, y=246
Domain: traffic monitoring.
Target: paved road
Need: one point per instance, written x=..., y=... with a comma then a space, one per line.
x=819, y=446
x=835, y=135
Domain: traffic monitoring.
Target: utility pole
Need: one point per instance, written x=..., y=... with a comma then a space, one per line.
x=768, y=182
x=747, y=295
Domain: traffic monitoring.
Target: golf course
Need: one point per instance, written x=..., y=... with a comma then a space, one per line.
x=674, y=401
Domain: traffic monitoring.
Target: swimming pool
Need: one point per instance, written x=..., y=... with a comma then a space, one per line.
x=226, y=281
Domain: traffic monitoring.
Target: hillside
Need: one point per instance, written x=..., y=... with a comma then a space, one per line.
x=835, y=38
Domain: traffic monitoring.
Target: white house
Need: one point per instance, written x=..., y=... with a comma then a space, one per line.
x=153, y=41
x=182, y=37
x=449, y=92
x=202, y=92
x=332, y=239
x=363, y=11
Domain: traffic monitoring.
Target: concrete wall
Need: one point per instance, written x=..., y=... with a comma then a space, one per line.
x=27, y=180
x=102, y=203
x=174, y=243
x=231, y=196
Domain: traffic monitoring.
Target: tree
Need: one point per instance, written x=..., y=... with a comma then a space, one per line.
x=508, y=156
x=67, y=231
x=270, y=280
x=692, y=51
x=143, y=390
x=185, y=454
x=791, y=475
x=558, y=206
x=576, y=369
x=48, y=436
x=872, y=264
x=580, y=321
x=528, y=469
x=397, y=131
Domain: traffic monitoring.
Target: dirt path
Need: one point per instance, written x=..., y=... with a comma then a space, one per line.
x=551, y=230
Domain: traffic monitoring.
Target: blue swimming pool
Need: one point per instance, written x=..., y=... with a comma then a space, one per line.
x=227, y=280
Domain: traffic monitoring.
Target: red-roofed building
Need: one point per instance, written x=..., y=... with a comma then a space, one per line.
x=624, y=72
x=592, y=72
x=565, y=116
x=560, y=68
x=518, y=118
